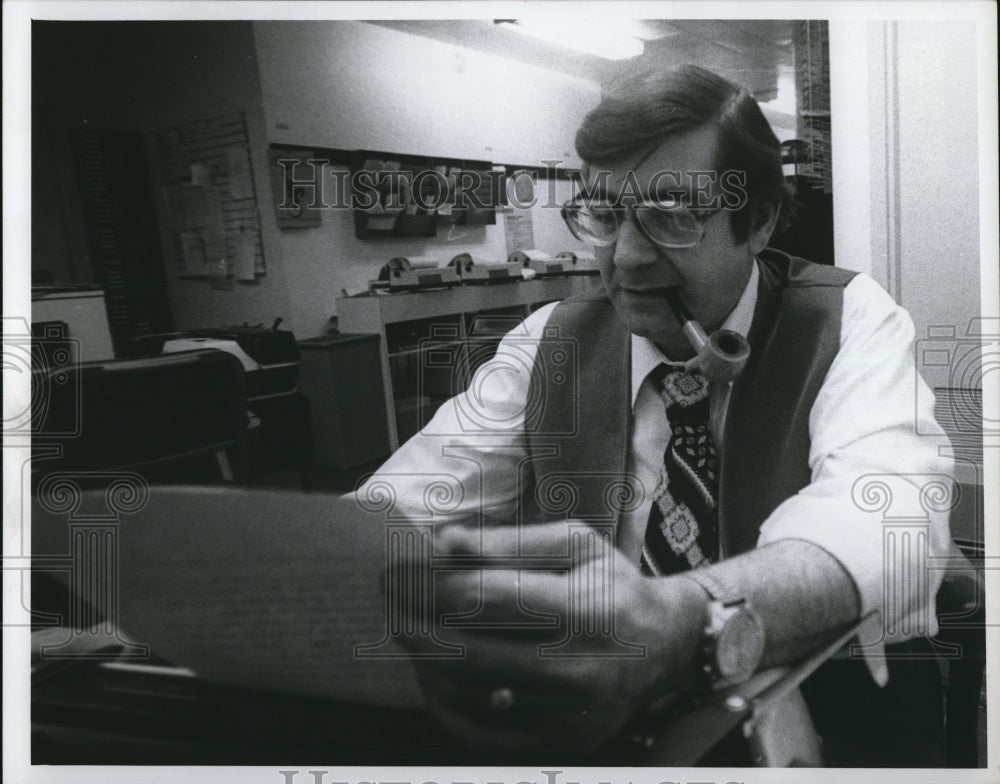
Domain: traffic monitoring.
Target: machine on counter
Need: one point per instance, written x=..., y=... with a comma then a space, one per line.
x=403, y=273
x=473, y=269
x=270, y=356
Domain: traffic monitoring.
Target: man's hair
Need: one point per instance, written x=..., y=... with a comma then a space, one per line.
x=648, y=108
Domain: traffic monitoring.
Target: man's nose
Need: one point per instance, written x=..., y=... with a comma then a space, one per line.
x=632, y=249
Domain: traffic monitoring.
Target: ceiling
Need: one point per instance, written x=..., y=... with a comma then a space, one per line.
x=750, y=52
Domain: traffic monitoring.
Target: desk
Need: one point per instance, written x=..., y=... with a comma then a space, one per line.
x=197, y=569
x=95, y=713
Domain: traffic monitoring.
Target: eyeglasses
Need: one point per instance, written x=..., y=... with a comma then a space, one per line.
x=669, y=226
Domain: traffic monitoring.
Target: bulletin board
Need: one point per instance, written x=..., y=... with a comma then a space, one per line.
x=209, y=198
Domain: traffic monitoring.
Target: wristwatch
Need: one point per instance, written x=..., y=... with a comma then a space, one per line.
x=732, y=641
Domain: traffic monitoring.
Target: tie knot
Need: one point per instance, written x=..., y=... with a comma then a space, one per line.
x=680, y=388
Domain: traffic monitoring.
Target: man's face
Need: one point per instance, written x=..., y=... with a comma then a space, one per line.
x=709, y=276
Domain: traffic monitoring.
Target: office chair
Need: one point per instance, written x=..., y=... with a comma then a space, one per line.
x=178, y=417
x=962, y=622
x=159, y=416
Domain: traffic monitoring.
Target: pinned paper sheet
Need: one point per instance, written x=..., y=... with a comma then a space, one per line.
x=193, y=249
x=244, y=256
x=240, y=182
x=519, y=229
x=201, y=175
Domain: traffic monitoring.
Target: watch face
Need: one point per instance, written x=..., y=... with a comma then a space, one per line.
x=740, y=646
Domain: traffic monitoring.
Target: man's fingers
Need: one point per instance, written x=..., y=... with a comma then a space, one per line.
x=574, y=540
x=506, y=596
x=557, y=547
x=501, y=595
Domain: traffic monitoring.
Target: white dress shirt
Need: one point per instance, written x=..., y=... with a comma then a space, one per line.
x=870, y=469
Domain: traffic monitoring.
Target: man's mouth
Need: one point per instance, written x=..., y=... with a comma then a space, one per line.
x=667, y=297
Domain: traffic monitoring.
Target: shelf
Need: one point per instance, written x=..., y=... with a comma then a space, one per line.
x=429, y=346
x=426, y=335
x=413, y=305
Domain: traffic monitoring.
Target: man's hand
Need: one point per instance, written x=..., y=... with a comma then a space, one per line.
x=553, y=655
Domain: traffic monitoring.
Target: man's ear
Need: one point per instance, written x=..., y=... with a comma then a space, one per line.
x=763, y=228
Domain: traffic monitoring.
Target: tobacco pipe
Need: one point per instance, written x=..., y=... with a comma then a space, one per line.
x=721, y=356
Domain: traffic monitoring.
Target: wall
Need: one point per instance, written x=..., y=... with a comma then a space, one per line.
x=906, y=179
x=345, y=85
x=910, y=207
x=938, y=174
x=330, y=83
x=140, y=76
x=321, y=261
x=349, y=85
x=352, y=85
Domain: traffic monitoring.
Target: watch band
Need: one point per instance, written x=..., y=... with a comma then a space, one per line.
x=723, y=659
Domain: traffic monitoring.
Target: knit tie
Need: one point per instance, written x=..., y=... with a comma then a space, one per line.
x=681, y=532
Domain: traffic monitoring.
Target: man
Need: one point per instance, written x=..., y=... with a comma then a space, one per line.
x=682, y=188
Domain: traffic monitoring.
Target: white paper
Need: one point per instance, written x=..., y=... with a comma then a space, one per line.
x=193, y=249
x=244, y=256
x=261, y=589
x=201, y=175
x=240, y=182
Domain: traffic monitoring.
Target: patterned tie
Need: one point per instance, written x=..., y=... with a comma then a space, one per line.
x=681, y=531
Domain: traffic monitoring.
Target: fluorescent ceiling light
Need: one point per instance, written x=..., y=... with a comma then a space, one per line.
x=580, y=34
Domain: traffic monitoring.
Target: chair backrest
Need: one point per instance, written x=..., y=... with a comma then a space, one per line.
x=962, y=631
x=138, y=414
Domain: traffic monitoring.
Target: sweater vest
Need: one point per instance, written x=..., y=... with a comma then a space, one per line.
x=578, y=421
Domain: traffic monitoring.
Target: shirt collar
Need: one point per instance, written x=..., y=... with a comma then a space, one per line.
x=646, y=356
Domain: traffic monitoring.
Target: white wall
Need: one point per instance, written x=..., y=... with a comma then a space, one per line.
x=908, y=197
x=906, y=163
x=351, y=85
x=938, y=264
